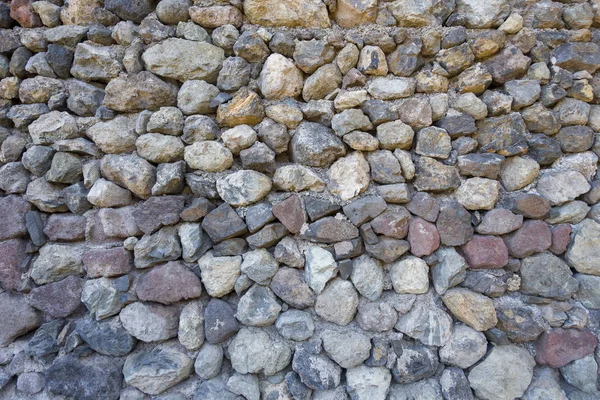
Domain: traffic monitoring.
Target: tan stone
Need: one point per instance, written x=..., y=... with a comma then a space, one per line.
x=349, y=176
x=215, y=16
x=280, y=78
x=474, y=309
x=290, y=13
x=351, y=13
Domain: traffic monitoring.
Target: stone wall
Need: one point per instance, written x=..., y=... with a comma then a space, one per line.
x=299, y=199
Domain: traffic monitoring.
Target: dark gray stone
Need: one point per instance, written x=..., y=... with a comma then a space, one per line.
x=223, y=223
x=219, y=321
x=107, y=337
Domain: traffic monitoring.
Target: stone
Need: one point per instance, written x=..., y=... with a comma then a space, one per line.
x=558, y=347
x=258, y=307
x=243, y=187
x=530, y=205
x=557, y=282
x=336, y=346
x=157, y=369
x=234, y=74
x=415, y=362
x=423, y=237
x=254, y=351
x=478, y=193
x=168, y=283
x=208, y=156
x=223, y=223
x=191, y=326
x=581, y=254
x=504, y=135
x=577, y=56
x=289, y=285
x=490, y=380
x=56, y=262
x=519, y=321
x=316, y=371
x=582, y=374
x=384, y=88
x=131, y=171
x=219, y=274
x=367, y=277
x=368, y=382
x=157, y=248
x=485, y=252
x=474, y=309
x=102, y=377
x=325, y=80
x=455, y=59
x=137, y=92
x=320, y=267
x=307, y=14
x=410, y=275
x=532, y=237
x=434, y=176
x=244, y=385
x=105, y=297
x=524, y=92
x=314, y=145
x=280, y=78
x=465, y=347
x=507, y=65
x=219, y=321
x=449, y=271
x=337, y=303
x=297, y=178
x=499, y=221
x=209, y=361
x=433, y=142
x=13, y=257
x=295, y=325
x=518, y=172
x=107, y=337
x=426, y=321
x=150, y=322
x=18, y=317
x=215, y=16
x=96, y=63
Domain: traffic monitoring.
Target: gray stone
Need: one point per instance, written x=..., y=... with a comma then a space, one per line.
x=105, y=297
x=150, y=322
x=258, y=307
x=295, y=325
x=320, y=267
x=223, y=223
x=156, y=248
x=209, y=360
x=582, y=254
x=465, y=347
x=548, y=276
x=219, y=321
x=427, y=321
x=338, y=303
x=290, y=286
x=449, y=271
x=315, y=145
x=243, y=187
x=107, y=337
x=316, y=371
x=414, y=363
x=368, y=382
x=347, y=349
x=254, y=351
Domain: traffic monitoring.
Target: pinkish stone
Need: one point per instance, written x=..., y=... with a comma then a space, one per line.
x=533, y=237
x=65, y=227
x=21, y=11
x=291, y=213
x=485, y=252
x=169, y=283
x=423, y=237
x=107, y=262
x=393, y=222
x=113, y=223
x=559, y=347
x=12, y=256
x=530, y=205
x=16, y=317
x=12, y=217
x=157, y=212
x=561, y=238
x=57, y=299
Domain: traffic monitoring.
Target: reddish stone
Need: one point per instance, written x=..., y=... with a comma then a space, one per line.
x=423, y=237
x=113, y=223
x=12, y=217
x=107, y=262
x=561, y=238
x=485, y=252
x=65, y=227
x=393, y=222
x=530, y=205
x=533, y=237
x=12, y=256
x=21, y=11
x=58, y=299
x=560, y=346
x=169, y=283
x=291, y=213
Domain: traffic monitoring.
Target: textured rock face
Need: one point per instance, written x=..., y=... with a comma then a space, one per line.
x=307, y=199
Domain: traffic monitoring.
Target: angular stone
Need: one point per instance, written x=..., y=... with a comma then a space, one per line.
x=559, y=347
x=434, y=176
x=315, y=145
x=155, y=370
x=449, y=271
x=368, y=277
x=107, y=337
x=338, y=303
x=582, y=254
x=289, y=285
x=562, y=186
x=56, y=262
x=223, y=223
x=474, y=309
x=499, y=221
x=297, y=178
x=330, y=230
x=291, y=213
x=423, y=237
x=547, y=276
x=191, y=326
x=219, y=273
x=243, y=187
x=530, y=205
x=427, y=321
x=131, y=171
x=414, y=363
x=150, y=322
x=316, y=371
x=504, y=135
x=410, y=276
x=244, y=108
x=304, y=14
x=156, y=248
x=219, y=321
x=478, y=193
x=137, y=92
x=577, y=56
x=491, y=380
x=507, y=65
x=280, y=78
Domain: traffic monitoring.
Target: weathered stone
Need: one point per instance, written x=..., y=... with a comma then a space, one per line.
x=485, y=252
x=532, y=237
x=107, y=337
x=474, y=309
x=465, y=347
x=414, y=362
x=219, y=321
x=507, y=65
x=503, y=135
x=254, y=351
x=155, y=370
x=131, y=171
x=577, y=56
x=17, y=317
x=219, y=273
x=150, y=322
x=280, y=78
x=423, y=237
x=499, y=221
x=156, y=248
x=316, y=371
x=490, y=380
x=306, y=14
x=289, y=285
x=434, y=176
x=449, y=271
x=142, y=91
x=243, y=187
x=410, y=276
x=478, y=193
x=547, y=276
x=223, y=223
x=168, y=283
x=191, y=325
x=244, y=108
x=338, y=303
x=56, y=262
x=582, y=254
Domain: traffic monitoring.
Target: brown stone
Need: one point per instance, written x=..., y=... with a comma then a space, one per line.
x=533, y=237
x=12, y=257
x=561, y=238
x=485, y=252
x=472, y=308
x=58, y=299
x=244, y=108
x=21, y=11
x=423, y=237
x=291, y=213
x=559, y=347
x=169, y=283
x=387, y=249
x=330, y=230
x=107, y=262
x=530, y=205
x=215, y=16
